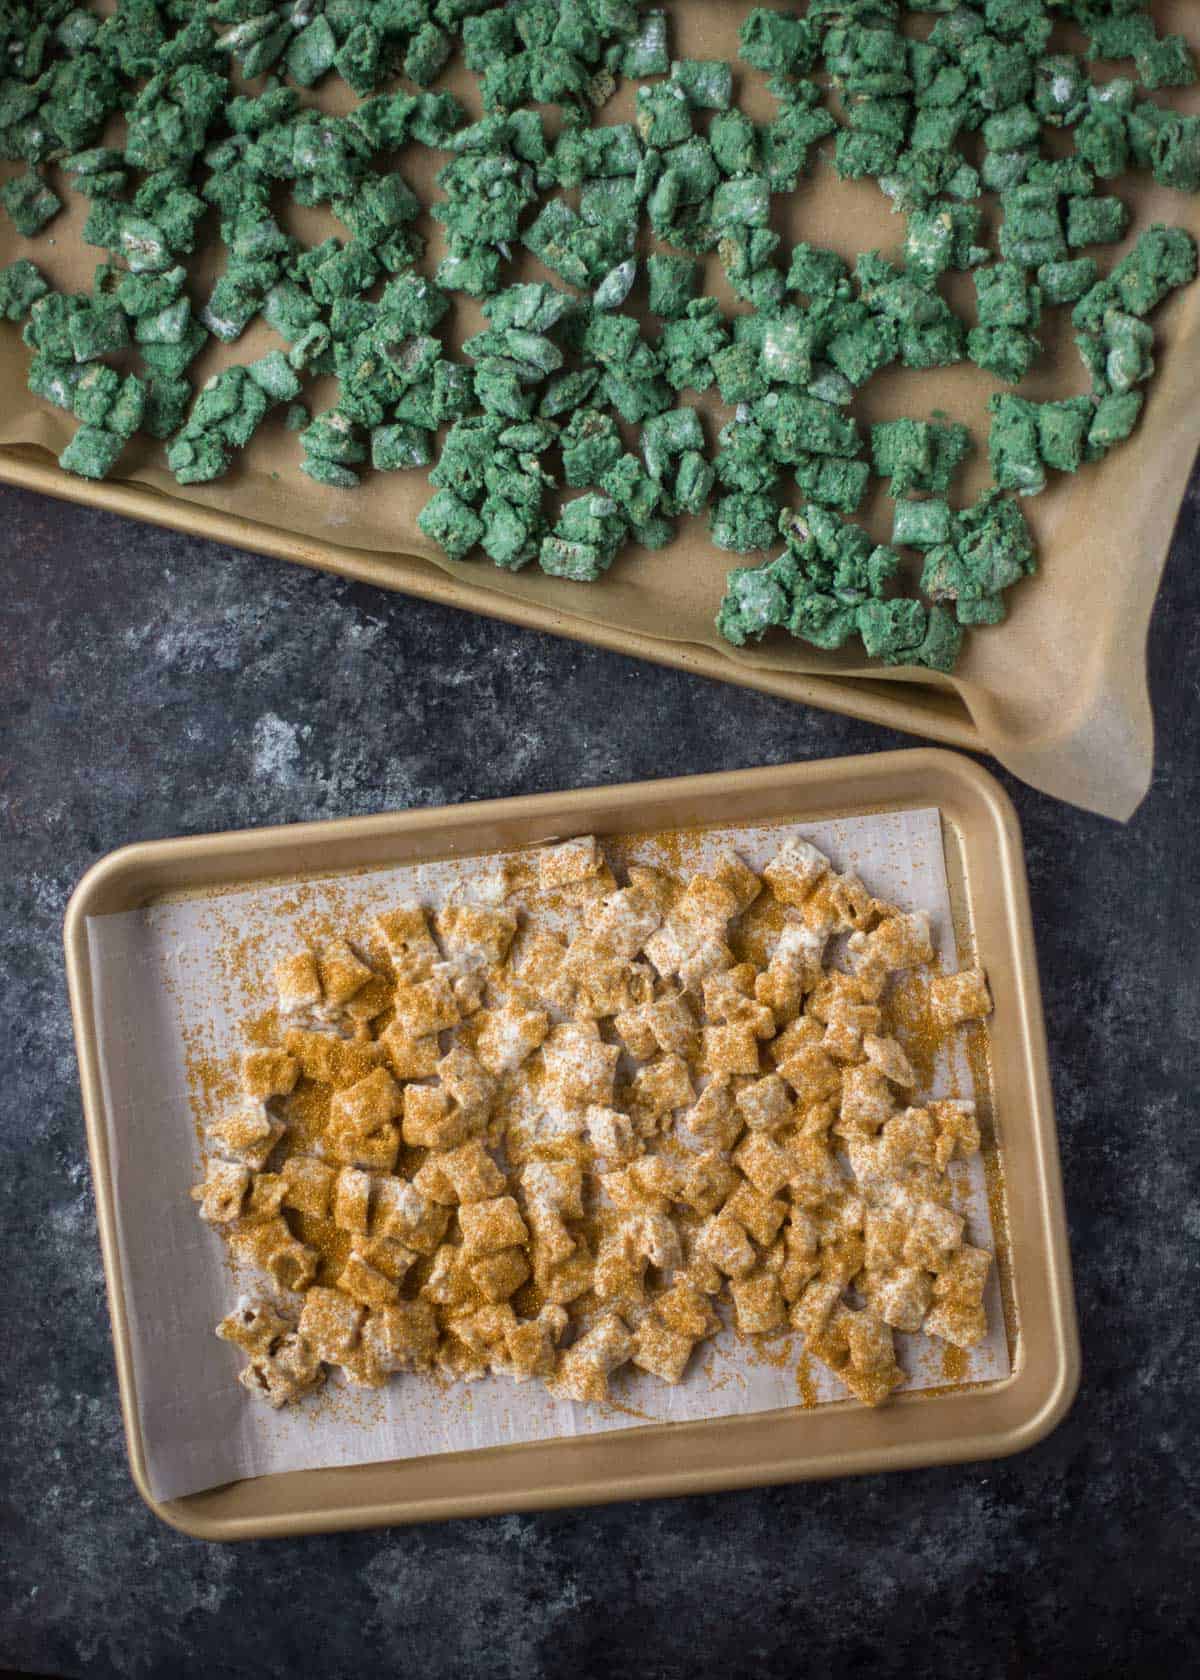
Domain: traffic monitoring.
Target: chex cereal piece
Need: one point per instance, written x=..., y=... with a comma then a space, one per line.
x=223, y=1193
x=248, y=1135
x=955, y=998
x=269, y=1073
x=410, y=945
x=342, y=974
x=661, y=1351
x=330, y=1323
x=298, y=984
x=583, y=1370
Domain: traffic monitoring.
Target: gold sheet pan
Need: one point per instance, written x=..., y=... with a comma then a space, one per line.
x=989, y=892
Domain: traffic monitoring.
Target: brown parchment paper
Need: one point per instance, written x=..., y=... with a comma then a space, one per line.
x=1058, y=693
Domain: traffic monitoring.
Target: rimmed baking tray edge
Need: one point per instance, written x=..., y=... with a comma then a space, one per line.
x=921, y=1429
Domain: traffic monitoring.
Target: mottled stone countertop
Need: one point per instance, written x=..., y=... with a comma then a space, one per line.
x=153, y=685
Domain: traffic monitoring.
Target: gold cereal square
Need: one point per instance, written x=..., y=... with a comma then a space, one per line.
x=507, y=1037
x=530, y=1350
x=372, y=1102
x=342, y=973
x=713, y=1117
x=763, y=1162
x=730, y=1049
x=298, y=983
x=795, y=870
x=685, y=1310
x=758, y=1304
x=352, y=1201
x=761, y=1215
x=500, y=1275
x=956, y=998
x=737, y=877
x=488, y=1226
x=568, y=863
x=410, y=1057
x=474, y=931
x=426, y=1006
x=362, y=1282
x=708, y=1182
x=431, y=1121
x=661, y=1351
x=402, y=1336
x=411, y=946
x=662, y=1086
x=330, y=1323
x=269, y=1073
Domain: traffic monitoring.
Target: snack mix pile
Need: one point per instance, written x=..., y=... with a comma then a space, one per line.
x=480, y=1145
x=565, y=435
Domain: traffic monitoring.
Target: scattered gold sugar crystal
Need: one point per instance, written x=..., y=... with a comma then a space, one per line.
x=551, y=1156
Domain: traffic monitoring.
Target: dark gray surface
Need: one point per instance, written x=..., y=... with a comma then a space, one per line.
x=154, y=685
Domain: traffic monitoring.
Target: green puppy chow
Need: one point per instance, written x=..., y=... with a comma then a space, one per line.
x=539, y=398
x=21, y=285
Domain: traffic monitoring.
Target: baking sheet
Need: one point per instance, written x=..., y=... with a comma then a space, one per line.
x=171, y=984
x=1058, y=694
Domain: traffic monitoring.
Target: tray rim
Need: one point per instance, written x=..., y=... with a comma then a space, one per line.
x=914, y=708
x=1005, y=1417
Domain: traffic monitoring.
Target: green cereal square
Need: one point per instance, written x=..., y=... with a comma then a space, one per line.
x=427, y=53
x=891, y=630
x=756, y=599
x=818, y=273
x=734, y=141
x=707, y=82
x=95, y=393
x=742, y=202
x=951, y=446
x=311, y=52
x=902, y=451
x=645, y=54
x=127, y=413
x=673, y=284
x=1062, y=432
x=1067, y=282
x=330, y=473
x=92, y=452
x=663, y=115
x=739, y=372
x=694, y=479
x=1095, y=221
x=397, y=447
x=1031, y=232
x=451, y=523
x=102, y=329
x=1167, y=63
x=1013, y=448
x=777, y=42
x=832, y=482
x=1008, y=352
x=744, y=522
x=858, y=352
x=1115, y=418
x=1004, y=297
x=787, y=348
x=31, y=204
x=921, y=524
x=510, y=533
x=21, y=285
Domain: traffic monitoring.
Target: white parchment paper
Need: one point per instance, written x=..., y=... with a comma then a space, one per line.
x=171, y=983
